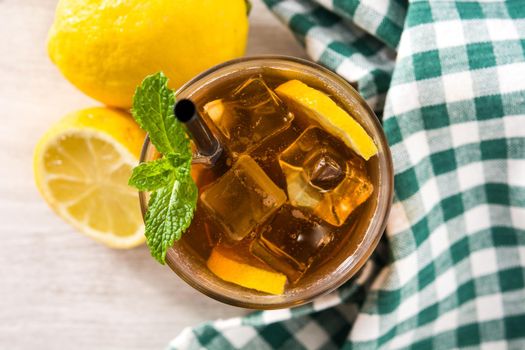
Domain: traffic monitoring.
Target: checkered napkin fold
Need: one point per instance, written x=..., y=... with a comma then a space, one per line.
x=449, y=80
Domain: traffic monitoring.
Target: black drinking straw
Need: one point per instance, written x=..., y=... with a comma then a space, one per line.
x=206, y=143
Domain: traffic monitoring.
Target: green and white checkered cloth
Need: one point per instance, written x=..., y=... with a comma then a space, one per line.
x=449, y=79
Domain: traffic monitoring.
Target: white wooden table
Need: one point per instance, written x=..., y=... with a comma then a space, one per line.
x=58, y=289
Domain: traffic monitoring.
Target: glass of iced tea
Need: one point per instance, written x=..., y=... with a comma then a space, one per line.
x=289, y=211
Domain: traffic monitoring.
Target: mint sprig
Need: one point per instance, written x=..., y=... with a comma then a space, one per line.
x=173, y=192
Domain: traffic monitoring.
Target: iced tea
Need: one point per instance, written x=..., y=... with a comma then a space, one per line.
x=286, y=194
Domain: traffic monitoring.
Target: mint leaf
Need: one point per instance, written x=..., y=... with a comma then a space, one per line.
x=151, y=176
x=153, y=110
x=170, y=212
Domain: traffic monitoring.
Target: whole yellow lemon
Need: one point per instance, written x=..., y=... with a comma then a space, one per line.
x=107, y=47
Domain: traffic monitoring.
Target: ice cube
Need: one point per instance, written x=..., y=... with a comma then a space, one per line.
x=291, y=242
x=325, y=170
x=324, y=177
x=243, y=198
x=249, y=115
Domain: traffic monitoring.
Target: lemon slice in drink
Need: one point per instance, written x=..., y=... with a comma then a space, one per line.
x=82, y=165
x=226, y=264
x=329, y=115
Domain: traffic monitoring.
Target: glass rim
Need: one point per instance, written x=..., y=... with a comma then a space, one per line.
x=349, y=266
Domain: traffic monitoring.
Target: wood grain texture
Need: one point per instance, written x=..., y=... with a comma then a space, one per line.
x=58, y=289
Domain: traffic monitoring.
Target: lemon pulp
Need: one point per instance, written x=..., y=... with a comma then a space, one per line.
x=82, y=166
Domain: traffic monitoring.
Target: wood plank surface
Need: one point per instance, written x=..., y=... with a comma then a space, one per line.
x=58, y=289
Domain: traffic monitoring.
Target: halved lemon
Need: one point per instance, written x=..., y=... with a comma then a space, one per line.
x=329, y=115
x=82, y=165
